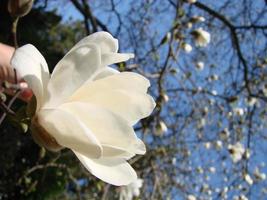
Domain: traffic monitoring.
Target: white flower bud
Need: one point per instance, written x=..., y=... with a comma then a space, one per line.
x=213, y=77
x=196, y=19
x=161, y=128
x=200, y=65
x=187, y=47
x=248, y=179
x=207, y=145
x=165, y=97
x=218, y=144
x=212, y=169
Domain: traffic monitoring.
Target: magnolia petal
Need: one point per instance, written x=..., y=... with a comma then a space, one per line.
x=111, y=58
x=108, y=128
x=32, y=67
x=106, y=71
x=112, y=151
x=131, y=106
x=72, y=72
x=104, y=40
x=111, y=170
x=70, y=132
x=127, y=81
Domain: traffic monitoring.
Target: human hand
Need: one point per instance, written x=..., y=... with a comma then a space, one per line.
x=10, y=81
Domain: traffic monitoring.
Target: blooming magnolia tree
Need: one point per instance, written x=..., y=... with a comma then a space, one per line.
x=197, y=82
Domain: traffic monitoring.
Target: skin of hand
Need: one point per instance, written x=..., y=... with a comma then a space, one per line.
x=7, y=73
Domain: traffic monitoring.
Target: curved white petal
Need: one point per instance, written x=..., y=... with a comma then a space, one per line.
x=131, y=106
x=72, y=72
x=113, y=151
x=104, y=40
x=32, y=67
x=104, y=72
x=127, y=81
x=111, y=170
x=109, y=128
x=70, y=132
x=111, y=58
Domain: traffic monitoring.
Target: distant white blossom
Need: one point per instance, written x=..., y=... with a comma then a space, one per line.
x=248, y=179
x=224, y=134
x=200, y=65
x=196, y=19
x=132, y=190
x=218, y=144
x=214, y=92
x=247, y=154
x=202, y=37
x=258, y=175
x=161, y=128
x=236, y=151
x=239, y=111
x=174, y=160
x=251, y=101
x=213, y=77
x=240, y=197
x=207, y=145
x=201, y=123
x=212, y=169
x=200, y=170
x=191, y=197
x=187, y=47
x=165, y=97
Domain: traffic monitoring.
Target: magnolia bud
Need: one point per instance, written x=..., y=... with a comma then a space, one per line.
x=161, y=128
x=19, y=8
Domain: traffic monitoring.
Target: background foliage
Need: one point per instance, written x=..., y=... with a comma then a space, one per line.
x=201, y=108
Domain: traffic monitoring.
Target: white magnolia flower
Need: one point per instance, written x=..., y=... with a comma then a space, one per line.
x=236, y=151
x=131, y=190
x=87, y=106
x=202, y=38
x=187, y=47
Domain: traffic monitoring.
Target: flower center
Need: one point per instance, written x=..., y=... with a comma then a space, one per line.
x=42, y=137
